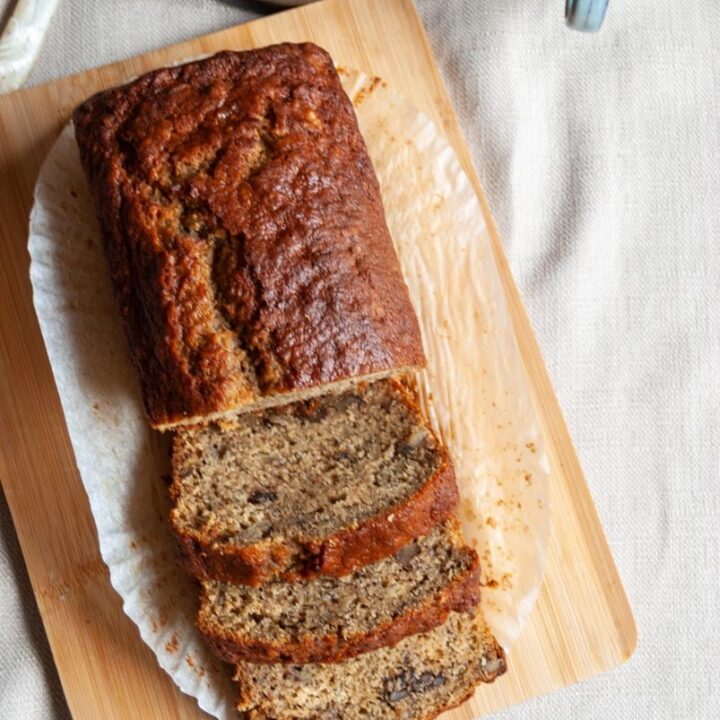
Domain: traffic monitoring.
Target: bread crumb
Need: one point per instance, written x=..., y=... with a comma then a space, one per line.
x=359, y=99
x=172, y=644
x=506, y=582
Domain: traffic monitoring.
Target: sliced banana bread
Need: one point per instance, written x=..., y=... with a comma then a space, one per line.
x=415, y=680
x=329, y=619
x=319, y=487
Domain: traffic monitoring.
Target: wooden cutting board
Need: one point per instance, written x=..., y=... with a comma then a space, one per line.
x=582, y=624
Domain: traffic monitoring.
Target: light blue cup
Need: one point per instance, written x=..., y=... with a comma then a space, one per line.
x=585, y=15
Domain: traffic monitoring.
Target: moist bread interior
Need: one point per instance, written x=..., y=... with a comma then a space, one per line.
x=352, y=605
x=415, y=679
x=315, y=467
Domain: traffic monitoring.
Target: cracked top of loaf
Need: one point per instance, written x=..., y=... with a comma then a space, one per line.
x=245, y=233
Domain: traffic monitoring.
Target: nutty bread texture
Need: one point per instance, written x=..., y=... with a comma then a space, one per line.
x=330, y=619
x=245, y=233
x=318, y=487
x=417, y=679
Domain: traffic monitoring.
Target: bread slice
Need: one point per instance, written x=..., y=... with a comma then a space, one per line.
x=330, y=619
x=415, y=680
x=320, y=487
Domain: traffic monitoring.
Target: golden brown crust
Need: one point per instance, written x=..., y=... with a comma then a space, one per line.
x=462, y=594
x=338, y=554
x=245, y=233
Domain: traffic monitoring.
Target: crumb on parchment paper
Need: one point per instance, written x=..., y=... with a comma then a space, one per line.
x=171, y=646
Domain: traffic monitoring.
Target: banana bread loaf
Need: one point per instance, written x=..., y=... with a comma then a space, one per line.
x=415, y=680
x=322, y=486
x=245, y=233
x=330, y=619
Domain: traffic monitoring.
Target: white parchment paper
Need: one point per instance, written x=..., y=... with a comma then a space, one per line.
x=475, y=387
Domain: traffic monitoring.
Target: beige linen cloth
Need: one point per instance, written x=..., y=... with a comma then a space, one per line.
x=601, y=158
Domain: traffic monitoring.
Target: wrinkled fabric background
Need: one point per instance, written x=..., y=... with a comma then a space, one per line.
x=600, y=155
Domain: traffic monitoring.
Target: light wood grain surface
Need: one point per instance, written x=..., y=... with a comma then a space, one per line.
x=582, y=624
